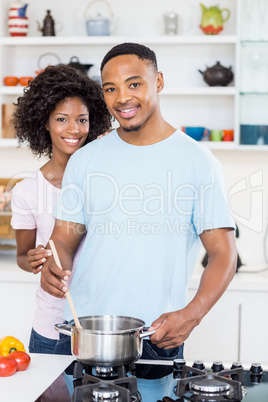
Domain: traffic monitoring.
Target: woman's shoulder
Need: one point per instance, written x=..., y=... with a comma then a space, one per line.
x=33, y=183
x=28, y=182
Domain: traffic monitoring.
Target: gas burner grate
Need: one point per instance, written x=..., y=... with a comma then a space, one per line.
x=104, y=391
x=104, y=372
x=104, y=386
x=197, y=385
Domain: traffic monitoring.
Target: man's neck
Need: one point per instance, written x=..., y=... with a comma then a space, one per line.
x=148, y=134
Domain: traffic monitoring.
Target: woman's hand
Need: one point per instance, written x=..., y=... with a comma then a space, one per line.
x=36, y=258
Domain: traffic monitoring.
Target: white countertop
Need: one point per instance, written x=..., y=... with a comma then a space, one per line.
x=28, y=385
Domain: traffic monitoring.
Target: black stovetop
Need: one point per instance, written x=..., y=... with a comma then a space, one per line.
x=157, y=381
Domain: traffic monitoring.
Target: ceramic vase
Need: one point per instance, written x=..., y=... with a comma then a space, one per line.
x=17, y=20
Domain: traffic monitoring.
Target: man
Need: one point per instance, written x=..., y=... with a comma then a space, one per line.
x=146, y=194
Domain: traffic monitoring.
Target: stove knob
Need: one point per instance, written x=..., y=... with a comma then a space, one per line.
x=178, y=365
x=217, y=366
x=236, y=365
x=256, y=368
x=198, y=364
x=238, y=372
x=256, y=373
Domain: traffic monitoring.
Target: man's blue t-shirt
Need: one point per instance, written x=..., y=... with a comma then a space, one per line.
x=144, y=208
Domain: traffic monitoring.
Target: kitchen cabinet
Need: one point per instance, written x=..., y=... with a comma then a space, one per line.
x=216, y=337
x=254, y=327
x=235, y=329
x=186, y=101
x=253, y=85
x=17, y=298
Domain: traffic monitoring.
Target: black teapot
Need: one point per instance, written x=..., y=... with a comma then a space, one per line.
x=48, y=28
x=75, y=63
x=217, y=75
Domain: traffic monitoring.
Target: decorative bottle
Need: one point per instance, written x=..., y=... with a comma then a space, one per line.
x=17, y=20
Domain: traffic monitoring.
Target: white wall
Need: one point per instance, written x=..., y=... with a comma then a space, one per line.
x=246, y=175
x=18, y=161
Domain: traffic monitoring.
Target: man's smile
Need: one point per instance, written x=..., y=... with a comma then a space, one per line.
x=127, y=112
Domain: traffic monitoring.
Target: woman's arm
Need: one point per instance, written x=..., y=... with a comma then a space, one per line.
x=29, y=257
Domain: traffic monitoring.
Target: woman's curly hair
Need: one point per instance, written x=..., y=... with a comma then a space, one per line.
x=41, y=97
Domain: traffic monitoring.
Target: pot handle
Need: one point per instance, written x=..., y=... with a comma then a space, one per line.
x=147, y=333
x=65, y=329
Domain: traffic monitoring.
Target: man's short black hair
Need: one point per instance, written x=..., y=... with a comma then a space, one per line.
x=143, y=53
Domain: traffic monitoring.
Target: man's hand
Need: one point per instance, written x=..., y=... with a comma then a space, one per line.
x=51, y=278
x=173, y=328
x=66, y=240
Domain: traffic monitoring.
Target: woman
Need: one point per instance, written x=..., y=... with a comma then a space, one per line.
x=61, y=110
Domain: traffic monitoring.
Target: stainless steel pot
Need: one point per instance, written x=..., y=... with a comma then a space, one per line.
x=106, y=340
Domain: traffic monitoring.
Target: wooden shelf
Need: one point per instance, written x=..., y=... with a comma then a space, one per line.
x=8, y=142
x=213, y=145
x=254, y=42
x=210, y=91
x=243, y=147
x=254, y=93
x=219, y=145
x=113, y=40
x=16, y=90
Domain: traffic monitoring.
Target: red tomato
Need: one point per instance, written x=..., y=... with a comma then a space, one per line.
x=22, y=359
x=8, y=366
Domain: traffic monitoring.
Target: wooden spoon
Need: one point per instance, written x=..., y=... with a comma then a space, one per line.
x=68, y=295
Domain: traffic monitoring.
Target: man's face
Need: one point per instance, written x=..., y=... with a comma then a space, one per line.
x=130, y=87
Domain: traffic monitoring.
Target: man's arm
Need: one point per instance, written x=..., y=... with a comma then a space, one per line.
x=175, y=327
x=66, y=237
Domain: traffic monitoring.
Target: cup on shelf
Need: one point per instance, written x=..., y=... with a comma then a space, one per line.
x=216, y=135
x=11, y=81
x=197, y=133
x=24, y=81
x=228, y=135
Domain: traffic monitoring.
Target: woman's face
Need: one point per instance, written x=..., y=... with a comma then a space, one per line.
x=68, y=125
